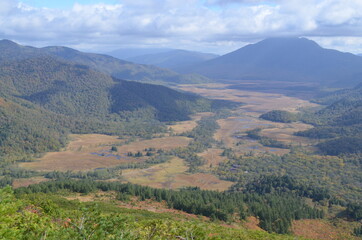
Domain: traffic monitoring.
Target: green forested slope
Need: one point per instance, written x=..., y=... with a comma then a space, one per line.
x=279, y=116
x=171, y=105
x=340, y=122
x=123, y=69
x=76, y=90
x=28, y=130
x=43, y=99
x=349, y=93
x=11, y=51
x=57, y=86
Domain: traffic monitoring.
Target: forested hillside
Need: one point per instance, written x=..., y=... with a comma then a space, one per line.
x=279, y=116
x=103, y=63
x=340, y=122
x=123, y=69
x=44, y=98
x=27, y=129
x=76, y=90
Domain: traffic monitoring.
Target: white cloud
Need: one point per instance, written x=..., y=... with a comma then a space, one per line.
x=344, y=44
x=6, y=6
x=194, y=24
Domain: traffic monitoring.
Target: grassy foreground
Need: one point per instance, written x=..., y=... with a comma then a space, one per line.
x=44, y=216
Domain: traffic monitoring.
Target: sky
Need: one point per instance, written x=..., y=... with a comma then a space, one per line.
x=217, y=26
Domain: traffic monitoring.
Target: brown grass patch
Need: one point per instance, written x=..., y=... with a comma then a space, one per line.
x=156, y=207
x=256, y=103
x=2, y=102
x=201, y=180
x=172, y=175
x=230, y=126
x=320, y=229
x=74, y=161
x=284, y=132
x=185, y=126
x=97, y=196
x=252, y=223
x=165, y=143
x=158, y=176
x=80, y=152
x=213, y=158
x=233, y=134
x=24, y=182
x=83, y=142
x=133, y=203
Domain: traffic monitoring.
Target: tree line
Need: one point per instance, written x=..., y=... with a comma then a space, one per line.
x=275, y=210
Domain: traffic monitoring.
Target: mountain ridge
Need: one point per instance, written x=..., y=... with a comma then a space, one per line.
x=115, y=67
x=125, y=53
x=176, y=60
x=285, y=59
x=74, y=89
x=44, y=98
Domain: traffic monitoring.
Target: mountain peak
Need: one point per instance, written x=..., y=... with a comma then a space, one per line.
x=287, y=42
x=285, y=59
x=8, y=43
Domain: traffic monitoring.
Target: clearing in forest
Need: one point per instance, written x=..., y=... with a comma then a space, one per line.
x=24, y=182
x=90, y=151
x=323, y=230
x=172, y=175
x=185, y=126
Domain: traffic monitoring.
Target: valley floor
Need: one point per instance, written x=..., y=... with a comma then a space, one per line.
x=233, y=129
x=94, y=151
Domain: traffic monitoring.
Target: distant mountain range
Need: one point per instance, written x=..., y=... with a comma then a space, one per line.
x=125, y=53
x=176, y=60
x=285, y=59
x=103, y=63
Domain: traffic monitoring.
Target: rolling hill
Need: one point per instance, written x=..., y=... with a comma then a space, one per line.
x=103, y=63
x=176, y=60
x=285, y=59
x=77, y=90
x=43, y=98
